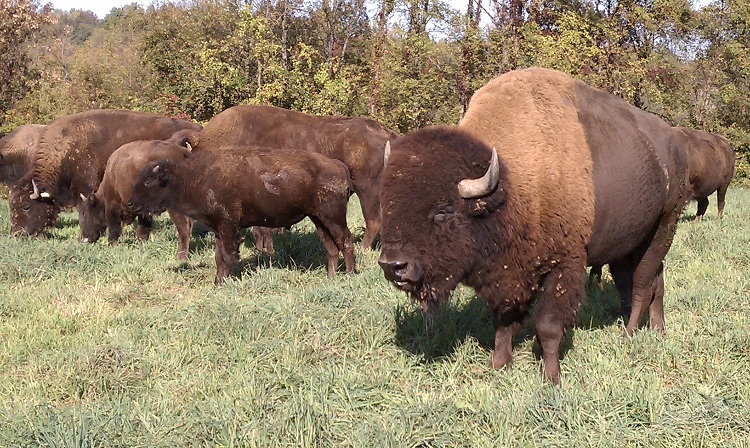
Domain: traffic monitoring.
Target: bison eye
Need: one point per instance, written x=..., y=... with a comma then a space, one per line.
x=26, y=208
x=444, y=214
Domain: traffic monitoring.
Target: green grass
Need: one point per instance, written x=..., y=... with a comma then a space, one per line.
x=124, y=346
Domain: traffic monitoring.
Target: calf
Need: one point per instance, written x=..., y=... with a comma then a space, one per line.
x=232, y=189
x=106, y=207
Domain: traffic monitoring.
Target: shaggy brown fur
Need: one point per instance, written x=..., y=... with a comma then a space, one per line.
x=71, y=157
x=107, y=207
x=15, y=152
x=357, y=142
x=232, y=189
x=711, y=165
x=585, y=179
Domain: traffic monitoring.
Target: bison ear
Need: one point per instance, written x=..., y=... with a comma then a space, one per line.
x=482, y=207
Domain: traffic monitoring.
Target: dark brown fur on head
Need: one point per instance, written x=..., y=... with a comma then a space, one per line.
x=439, y=235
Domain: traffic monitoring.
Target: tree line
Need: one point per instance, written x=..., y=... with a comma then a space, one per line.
x=405, y=63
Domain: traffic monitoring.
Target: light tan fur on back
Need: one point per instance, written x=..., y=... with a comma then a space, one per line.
x=544, y=147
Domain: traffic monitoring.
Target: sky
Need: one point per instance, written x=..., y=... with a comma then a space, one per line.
x=102, y=7
x=99, y=7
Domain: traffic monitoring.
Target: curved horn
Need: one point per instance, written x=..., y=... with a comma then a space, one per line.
x=35, y=194
x=386, y=153
x=476, y=188
x=189, y=146
x=83, y=196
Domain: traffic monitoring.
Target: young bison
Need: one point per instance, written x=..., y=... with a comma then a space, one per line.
x=232, y=189
x=106, y=208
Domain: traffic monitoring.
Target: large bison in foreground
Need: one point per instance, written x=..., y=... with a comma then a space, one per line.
x=16, y=150
x=710, y=165
x=232, y=189
x=106, y=208
x=357, y=142
x=543, y=176
x=70, y=160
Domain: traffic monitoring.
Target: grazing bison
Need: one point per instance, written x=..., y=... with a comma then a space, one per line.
x=15, y=152
x=70, y=160
x=710, y=166
x=232, y=189
x=357, y=142
x=107, y=207
x=543, y=176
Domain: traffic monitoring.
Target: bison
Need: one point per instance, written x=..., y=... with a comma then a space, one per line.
x=70, y=160
x=711, y=167
x=106, y=208
x=357, y=142
x=232, y=189
x=16, y=149
x=543, y=176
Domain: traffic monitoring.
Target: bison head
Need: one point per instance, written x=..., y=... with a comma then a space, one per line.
x=441, y=194
x=151, y=190
x=31, y=209
x=91, y=218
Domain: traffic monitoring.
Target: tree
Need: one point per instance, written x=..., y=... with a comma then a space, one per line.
x=20, y=21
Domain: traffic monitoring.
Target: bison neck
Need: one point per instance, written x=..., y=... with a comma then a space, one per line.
x=507, y=265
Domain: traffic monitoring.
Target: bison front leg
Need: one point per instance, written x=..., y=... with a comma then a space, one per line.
x=227, y=255
x=506, y=324
x=145, y=224
x=184, y=226
x=702, y=207
x=114, y=224
x=563, y=293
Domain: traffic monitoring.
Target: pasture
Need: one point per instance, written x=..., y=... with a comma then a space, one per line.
x=124, y=346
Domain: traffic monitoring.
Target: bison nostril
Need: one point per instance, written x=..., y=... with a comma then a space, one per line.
x=130, y=205
x=398, y=265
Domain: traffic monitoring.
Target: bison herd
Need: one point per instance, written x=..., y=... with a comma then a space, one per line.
x=542, y=177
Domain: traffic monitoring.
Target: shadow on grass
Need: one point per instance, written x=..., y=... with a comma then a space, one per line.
x=294, y=249
x=452, y=325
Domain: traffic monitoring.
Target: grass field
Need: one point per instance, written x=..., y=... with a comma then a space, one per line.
x=124, y=346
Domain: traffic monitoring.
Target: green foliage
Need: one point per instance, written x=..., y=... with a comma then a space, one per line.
x=415, y=64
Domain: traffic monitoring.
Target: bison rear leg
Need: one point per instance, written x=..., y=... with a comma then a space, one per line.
x=370, y=203
x=721, y=195
x=648, y=282
x=562, y=296
x=335, y=238
x=184, y=226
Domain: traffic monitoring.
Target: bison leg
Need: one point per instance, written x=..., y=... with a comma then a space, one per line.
x=721, y=194
x=263, y=238
x=656, y=309
x=646, y=282
x=184, y=226
x=326, y=234
x=622, y=274
x=145, y=224
x=506, y=324
x=114, y=225
x=562, y=296
x=702, y=207
x=370, y=203
x=227, y=254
